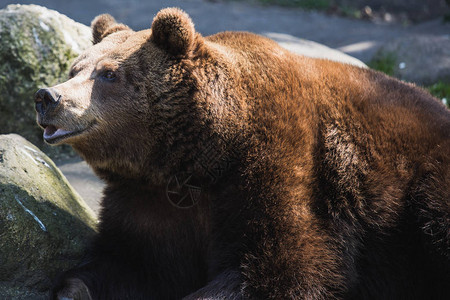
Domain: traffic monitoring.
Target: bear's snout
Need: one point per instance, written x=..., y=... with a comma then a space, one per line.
x=46, y=99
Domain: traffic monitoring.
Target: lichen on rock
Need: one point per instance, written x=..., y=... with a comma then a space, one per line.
x=37, y=47
x=44, y=224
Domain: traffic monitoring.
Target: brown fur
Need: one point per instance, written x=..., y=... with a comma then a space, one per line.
x=338, y=184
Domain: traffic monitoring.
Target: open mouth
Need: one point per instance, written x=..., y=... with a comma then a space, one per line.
x=53, y=135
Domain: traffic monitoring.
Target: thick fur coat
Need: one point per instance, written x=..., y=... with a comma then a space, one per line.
x=305, y=178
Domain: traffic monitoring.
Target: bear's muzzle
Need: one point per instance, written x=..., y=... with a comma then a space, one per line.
x=46, y=100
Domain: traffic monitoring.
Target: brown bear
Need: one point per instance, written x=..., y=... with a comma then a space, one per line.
x=236, y=169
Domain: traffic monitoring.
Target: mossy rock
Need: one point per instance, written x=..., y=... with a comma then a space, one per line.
x=37, y=48
x=44, y=224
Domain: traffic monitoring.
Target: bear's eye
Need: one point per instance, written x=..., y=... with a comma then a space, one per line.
x=109, y=75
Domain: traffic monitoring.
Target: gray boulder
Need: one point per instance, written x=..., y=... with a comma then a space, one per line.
x=423, y=59
x=313, y=49
x=44, y=224
x=36, y=49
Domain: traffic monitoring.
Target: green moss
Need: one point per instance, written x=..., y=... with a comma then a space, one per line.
x=441, y=90
x=10, y=291
x=350, y=12
x=34, y=53
x=384, y=62
x=44, y=224
x=34, y=250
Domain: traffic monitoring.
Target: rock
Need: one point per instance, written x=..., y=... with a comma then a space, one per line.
x=313, y=49
x=423, y=59
x=37, y=47
x=44, y=224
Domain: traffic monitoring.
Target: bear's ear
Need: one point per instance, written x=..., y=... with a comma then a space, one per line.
x=173, y=31
x=104, y=25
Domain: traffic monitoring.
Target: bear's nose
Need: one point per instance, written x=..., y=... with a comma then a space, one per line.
x=46, y=99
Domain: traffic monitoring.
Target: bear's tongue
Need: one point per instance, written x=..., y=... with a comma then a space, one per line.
x=51, y=132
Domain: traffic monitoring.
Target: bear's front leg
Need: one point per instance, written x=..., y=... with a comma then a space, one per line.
x=71, y=288
x=226, y=285
x=102, y=279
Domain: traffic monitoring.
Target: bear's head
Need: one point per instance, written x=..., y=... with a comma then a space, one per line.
x=131, y=105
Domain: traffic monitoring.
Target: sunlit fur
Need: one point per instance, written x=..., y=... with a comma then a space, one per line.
x=339, y=186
